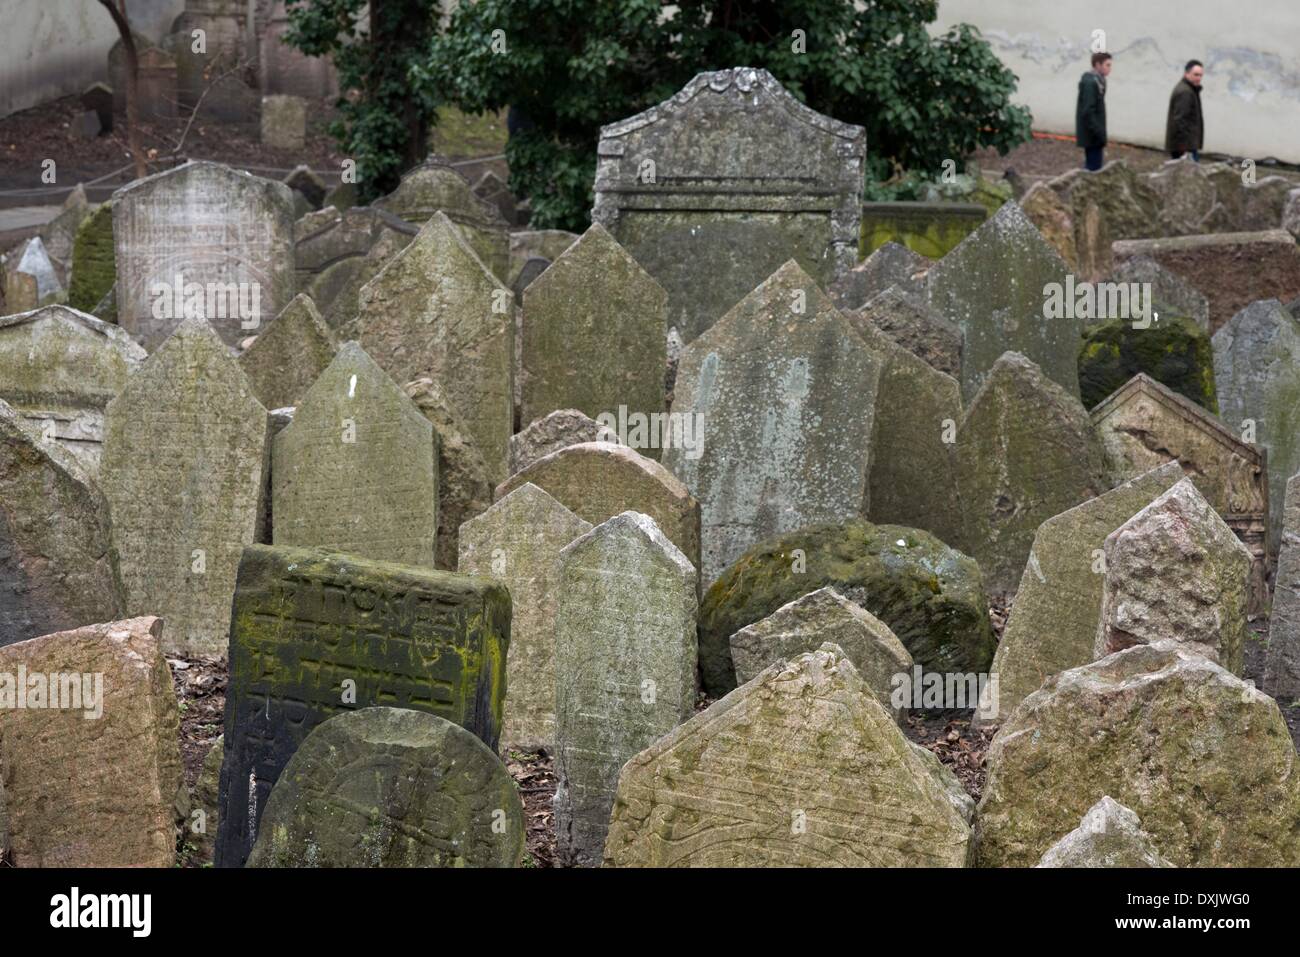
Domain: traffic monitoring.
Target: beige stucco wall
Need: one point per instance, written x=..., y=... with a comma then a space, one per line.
x=1251, y=51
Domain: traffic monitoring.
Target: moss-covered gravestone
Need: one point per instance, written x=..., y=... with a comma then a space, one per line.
x=1170, y=292
x=1282, y=678
x=552, y=432
x=391, y=787
x=289, y=354
x=1110, y=835
x=1174, y=351
x=315, y=633
x=801, y=767
x=94, y=265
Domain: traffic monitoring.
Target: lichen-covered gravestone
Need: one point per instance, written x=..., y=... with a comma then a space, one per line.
x=355, y=470
x=202, y=240
x=518, y=541
x=1174, y=351
x=391, y=787
x=1053, y=622
x=289, y=354
x=594, y=333
x=57, y=567
x=914, y=326
x=624, y=667
x=891, y=265
x=91, y=744
x=552, y=432
x=713, y=189
x=1170, y=292
x=785, y=392
x=94, y=266
x=183, y=468
x=1110, y=835
x=802, y=767
x=315, y=633
x=1282, y=677
x=59, y=368
x=435, y=310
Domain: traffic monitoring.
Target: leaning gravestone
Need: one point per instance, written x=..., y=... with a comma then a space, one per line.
x=185, y=451
x=552, y=432
x=435, y=310
x=713, y=189
x=94, y=264
x=785, y=392
x=315, y=633
x=289, y=354
x=914, y=326
x=1282, y=677
x=108, y=731
x=60, y=369
x=890, y=265
x=624, y=667
x=202, y=240
x=992, y=287
x=355, y=472
x=595, y=334
x=547, y=244
x=1110, y=835
x=518, y=541
x=391, y=787
x=802, y=767
x=57, y=568
x=336, y=253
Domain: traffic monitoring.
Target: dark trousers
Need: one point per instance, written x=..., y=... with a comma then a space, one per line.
x=1177, y=154
x=1094, y=158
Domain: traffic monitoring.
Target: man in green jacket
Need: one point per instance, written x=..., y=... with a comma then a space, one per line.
x=1090, y=112
x=1185, y=129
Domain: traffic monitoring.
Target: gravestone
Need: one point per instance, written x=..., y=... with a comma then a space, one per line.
x=107, y=730
x=594, y=334
x=624, y=667
x=992, y=288
x=60, y=234
x=802, y=767
x=302, y=179
x=204, y=799
x=1282, y=676
x=35, y=262
x=316, y=633
x=284, y=122
x=94, y=265
x=914, y=326
x=1110, y=835
x=390, y=787
x=289, y=354
x=493, y=190
x=1053, y=622
x=216, y=72
x=530, y=270
x=85, y=125
x=60, y=369
x=185, y=452
x=890, y=265
x=435, y=310
x=552, y=432
x=1025, y=451
x=202, y=240
x=1054, y=219
x=286, y=69
x=99, y=98
x=57, y=567
x=548, y=244
x=1187, y=197
x=785, y=393
x=155, y=84
x=355, y=472
x=1175, y=571
x=598, y=480
x=713, y=189
x=20, y=292
x=517, y=542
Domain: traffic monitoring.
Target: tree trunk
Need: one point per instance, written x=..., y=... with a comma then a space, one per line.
x=132, y=75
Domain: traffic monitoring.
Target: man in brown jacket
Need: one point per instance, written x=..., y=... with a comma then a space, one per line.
x=1185, y=129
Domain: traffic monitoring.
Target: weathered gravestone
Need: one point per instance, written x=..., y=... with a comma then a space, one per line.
x=304, y=181
x=59, y=368
x=202, y=240
x=1113, y=203
x=209, y=78
x=60, y=234
x=547, y=244
x=821, y=616
x=624, y=667
x=518, y=541
x=1175, y=571
x=391, y=787
x=289, y=354
x=1186, y=197
x=284, y=122
x=205, y=804
x=1172, y=349
x=802, y=767
x=57, y=567
x=435, y=310
x=286, y=69
x=1282, y=676
x=1170, y=292
x=1053, y=622
x=35, y=261
x=992, y=287
x=20, y=290
x=99, y=98
x=713, y=189
x=155, y=82
x=493, y=190
x=915, y=326
x=185, y=452
x=90, y=737
x=1054, y=219
x=1110, y=835
x=594, y=334
x=890, y=265
x=552, y=432
x=1127, y=726
x=94, y=265
x=784, y=395
x=355, y=470
x=315, y=633
x=336, y=253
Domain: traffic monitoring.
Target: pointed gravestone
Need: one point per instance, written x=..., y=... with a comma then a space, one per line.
x=315, y=633
x=35, y=261
x=289, y=354
x=1025, y=452
x=890, y=265
x=354, y=472
x=60, y=368
x=1175, y=571
x=594, y=333
x=992, y=288
x=624, y=667
x=185, y=452
x=57, y=570
x=1053, y=622
x=1257, y=377
x=435, y=310
x=552, y=432
x=94, y=265
x=801, y=767
x=1110, y=835
x=517, y=542
x=1282, y=677
x=785, y=392
x=914, y=326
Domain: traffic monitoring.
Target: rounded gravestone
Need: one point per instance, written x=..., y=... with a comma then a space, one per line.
x=391, y=787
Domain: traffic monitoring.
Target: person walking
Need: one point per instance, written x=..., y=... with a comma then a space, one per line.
x=1090, y=112
x=1185, y=128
